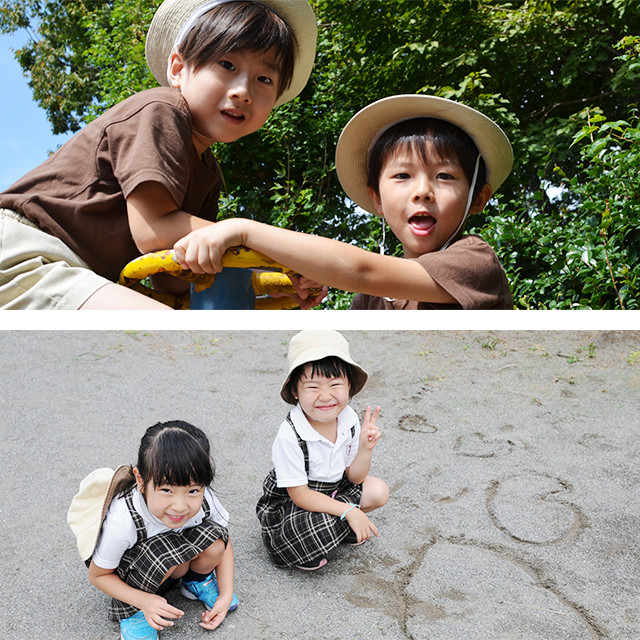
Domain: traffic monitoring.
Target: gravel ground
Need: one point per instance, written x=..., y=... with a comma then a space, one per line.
x=512, y=457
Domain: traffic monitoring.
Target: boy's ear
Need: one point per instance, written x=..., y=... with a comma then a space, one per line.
x=480, y=201
x=377, y=203
x=175, y=69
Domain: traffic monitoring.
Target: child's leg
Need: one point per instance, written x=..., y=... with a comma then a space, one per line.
x=115, y=296
x=199, y=583
x=375, y=494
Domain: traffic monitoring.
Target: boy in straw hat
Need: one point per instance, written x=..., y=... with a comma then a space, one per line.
x=422, y=163
x=142, y=175
x=319, y=491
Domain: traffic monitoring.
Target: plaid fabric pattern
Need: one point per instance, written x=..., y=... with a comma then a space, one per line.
x=293, y=535
x=148, y=561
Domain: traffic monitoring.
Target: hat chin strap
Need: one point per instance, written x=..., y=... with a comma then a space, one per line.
x=466, y=211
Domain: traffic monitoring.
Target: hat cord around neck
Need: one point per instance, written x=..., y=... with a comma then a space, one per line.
x=466, y=211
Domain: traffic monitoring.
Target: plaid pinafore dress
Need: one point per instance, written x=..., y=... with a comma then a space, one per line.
x=293, y=535
x=147, y=562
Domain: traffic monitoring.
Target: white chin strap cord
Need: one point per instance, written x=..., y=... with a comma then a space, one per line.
x=466, y=212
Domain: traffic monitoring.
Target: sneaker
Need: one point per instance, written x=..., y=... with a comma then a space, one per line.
x=206, y=592
x=313, y=565
x=352, y=540
x=137, y=628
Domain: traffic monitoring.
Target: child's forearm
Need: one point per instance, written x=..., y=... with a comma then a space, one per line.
x=225, y=572
x=156, y=222
x=311, y=500
x=342, y=265
x=114, y=586
x=359, y=468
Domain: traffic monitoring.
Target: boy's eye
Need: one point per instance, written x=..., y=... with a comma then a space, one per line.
x=226, y=64
x=265, y=79
x=401, y=176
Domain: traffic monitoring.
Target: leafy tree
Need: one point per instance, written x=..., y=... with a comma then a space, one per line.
x=543, y=69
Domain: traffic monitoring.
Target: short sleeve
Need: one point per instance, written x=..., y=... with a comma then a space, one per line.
x=118, y=534
x=470, y=272
x=288, y=461
x=151, y=145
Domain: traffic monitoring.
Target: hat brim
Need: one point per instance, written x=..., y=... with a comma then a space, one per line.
x=173, y=14
x=354, y=144
x=86, y=522
x=318, y=353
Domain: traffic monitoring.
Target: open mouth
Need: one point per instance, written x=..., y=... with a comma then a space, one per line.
x=422, y=223
x=234, y=115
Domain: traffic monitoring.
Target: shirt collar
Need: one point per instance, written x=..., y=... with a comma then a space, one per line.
x=346, y=419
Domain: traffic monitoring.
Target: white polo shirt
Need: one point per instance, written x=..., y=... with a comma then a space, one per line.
x=327, y=460
x=119, y=530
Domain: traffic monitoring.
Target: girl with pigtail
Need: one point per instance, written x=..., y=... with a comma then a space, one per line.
x=165, y=526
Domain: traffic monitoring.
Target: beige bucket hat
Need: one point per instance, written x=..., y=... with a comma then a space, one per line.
x=174, y=18
x=362, y=131
x=312, y=345
x=89, y=506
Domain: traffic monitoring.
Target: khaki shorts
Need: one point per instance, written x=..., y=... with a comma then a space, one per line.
x=39, y=271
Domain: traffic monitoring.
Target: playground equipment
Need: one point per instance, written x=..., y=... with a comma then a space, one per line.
x=248, y=280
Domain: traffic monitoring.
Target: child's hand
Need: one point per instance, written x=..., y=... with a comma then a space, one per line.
x=156, y=609
x=302, y=284
x=213, y=618
x=370, y=433
x=361, y=525
x=201, y=250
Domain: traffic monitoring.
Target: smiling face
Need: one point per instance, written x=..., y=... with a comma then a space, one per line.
x=228, y=98
x=172, y=505
x=322, y=398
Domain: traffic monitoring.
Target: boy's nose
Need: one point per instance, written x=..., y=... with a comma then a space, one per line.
x=240, y=91
x=423, y=190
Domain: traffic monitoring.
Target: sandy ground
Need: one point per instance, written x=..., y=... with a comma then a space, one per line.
x=513, y=460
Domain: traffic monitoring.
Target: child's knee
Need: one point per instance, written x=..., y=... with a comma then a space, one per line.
x=375, y=493
x=215, y=551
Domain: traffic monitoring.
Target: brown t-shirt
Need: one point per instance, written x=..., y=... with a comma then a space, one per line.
x=468, y=270
x=79, y=193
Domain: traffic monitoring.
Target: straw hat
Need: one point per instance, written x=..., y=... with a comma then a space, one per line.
x=310, y=346
x=89, y=506
x=174, y=18
x=362, y=131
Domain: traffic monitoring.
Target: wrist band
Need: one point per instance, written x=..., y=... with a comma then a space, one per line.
x=342, y=517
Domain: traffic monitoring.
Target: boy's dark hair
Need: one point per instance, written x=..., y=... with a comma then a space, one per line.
x=241, y=26
x=329, y=367
x=448, y=140
x=174, y=453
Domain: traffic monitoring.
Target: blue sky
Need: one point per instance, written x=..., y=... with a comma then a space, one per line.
x=25, y=133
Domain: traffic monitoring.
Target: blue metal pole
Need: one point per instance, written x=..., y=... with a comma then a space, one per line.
x=232, y=290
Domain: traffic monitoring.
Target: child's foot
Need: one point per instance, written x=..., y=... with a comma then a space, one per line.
x=206, y=591
x=137, y=628
x=313, y=565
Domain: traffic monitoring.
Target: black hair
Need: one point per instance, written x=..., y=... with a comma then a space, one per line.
x=173, y=452
x=447, y=138
x=329, y=367
x=241, y=26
